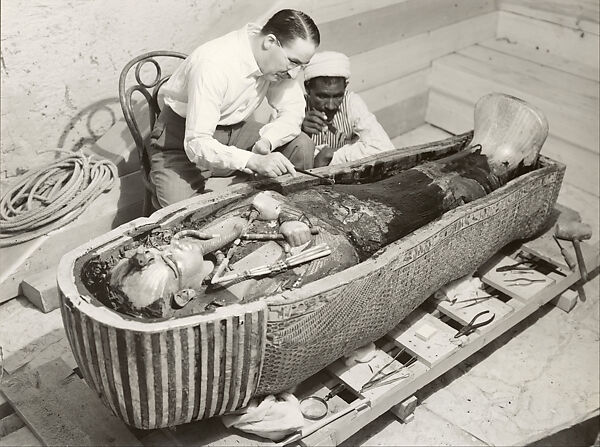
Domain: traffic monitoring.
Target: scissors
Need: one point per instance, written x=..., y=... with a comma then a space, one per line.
x=470, y=328
x=521, y=281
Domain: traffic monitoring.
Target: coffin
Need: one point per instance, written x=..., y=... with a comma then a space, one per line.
x=163, y=372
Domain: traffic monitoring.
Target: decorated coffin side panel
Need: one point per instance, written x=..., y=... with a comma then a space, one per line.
x=170, y=377
x=301, y=341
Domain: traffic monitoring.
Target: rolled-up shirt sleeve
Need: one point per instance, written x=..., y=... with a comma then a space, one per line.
x=372, y=138
x=288, y=102
x=206, y=90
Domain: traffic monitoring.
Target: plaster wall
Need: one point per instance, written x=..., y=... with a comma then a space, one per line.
x=60, y=62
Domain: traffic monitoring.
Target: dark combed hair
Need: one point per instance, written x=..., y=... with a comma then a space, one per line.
x=289, y=24
x=329, y=80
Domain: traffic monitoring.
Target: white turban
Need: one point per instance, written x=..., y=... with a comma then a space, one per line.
x=328, y=63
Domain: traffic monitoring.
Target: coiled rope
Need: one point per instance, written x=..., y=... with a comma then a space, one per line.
x=51, y=197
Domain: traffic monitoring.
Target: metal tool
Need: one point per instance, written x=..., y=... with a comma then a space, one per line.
x=377, y=379
x=576, y=232
x=515, y=266
x=475, y=301
x=472, y=325
x=521, y=281
x=322, y=177
x=568, y=258
x=315, y=407
x=310, y=254
x=270, y=236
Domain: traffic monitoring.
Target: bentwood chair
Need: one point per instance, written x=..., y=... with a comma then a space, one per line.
x=150, y=92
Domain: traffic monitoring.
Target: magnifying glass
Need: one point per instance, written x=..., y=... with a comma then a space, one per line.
x=314, y=408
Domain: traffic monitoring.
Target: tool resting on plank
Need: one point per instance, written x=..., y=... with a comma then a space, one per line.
x=575, y=232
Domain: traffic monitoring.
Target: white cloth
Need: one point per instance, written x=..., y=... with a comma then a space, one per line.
x=363, y=354
x=327, y=63
x=462, y=288
x=272, y=418
x=220, y=83
x=358, y=135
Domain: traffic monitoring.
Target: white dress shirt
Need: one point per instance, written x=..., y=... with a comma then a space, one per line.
x=220, y=83
x=357, y=133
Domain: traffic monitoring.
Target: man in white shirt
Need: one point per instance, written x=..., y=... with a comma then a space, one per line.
x=337, y=119
x=206, y=128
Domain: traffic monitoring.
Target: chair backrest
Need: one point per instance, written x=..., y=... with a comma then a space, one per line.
x=149, y=90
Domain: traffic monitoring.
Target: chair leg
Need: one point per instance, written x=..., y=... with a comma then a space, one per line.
x=148, y=207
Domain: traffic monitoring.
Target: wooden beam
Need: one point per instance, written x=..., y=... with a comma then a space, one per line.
x=541, y=57
x=41, y=290
x=570, y=43
x=377, y=27
x=60, y=409
x=386, y=63
x=577, y=14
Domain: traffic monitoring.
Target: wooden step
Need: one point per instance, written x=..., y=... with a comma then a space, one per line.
x=575, y=44
x=455, y=115
x=425, y=133
x=577, y=14
x=541, y=57
x=583, y=91
x=571, y=116
x=378, y=27
x=385, y=63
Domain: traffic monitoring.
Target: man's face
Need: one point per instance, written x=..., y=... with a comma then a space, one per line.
x=285, y=61
x=326, y=94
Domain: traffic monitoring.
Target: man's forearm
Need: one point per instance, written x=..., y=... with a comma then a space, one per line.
x=208, y=153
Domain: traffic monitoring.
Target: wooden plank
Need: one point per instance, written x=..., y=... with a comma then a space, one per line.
x=22, y=437
x=330, y=10
x=572, y=44
x=9, y=424
x=346, y=426
x=403, y=116
x=405, y=410
x=571, y=117
x=382, y=26
x=541, y=57
x=553, y=80
x=430, y=351
x=41, y=290
x=577, y=14
x=122, y=204
x=398, y=59
x=389, y=94
x=506, y=283
x=356, y=375
x=456, y=115
x=420, y=135
x=464, y=311
x=61, y=410
x=26, y=332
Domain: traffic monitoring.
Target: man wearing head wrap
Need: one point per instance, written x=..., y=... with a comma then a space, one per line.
x=338, y=120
